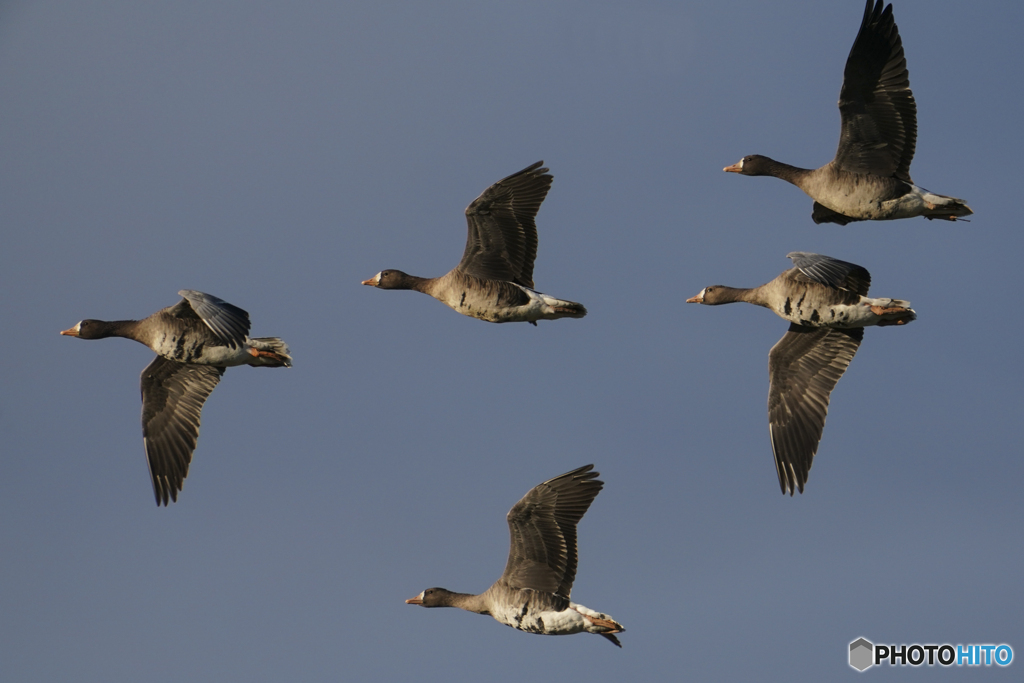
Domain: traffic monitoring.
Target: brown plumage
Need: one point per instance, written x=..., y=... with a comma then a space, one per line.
x=533, y=593
x=825, y=300
x=195, y=341
x=869, y=179
x=494, y=279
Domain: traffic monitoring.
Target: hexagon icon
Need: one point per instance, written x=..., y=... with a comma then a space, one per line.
x=861, y=654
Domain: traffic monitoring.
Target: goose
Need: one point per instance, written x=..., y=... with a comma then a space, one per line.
x=494, y=280
x=532, y=594
x=870, y=177
x=195, y=341
x=825, y=301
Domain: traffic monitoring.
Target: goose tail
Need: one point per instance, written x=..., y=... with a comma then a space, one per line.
x=600, y=623
x=269, y=352
x=893, y=312
x=941, y=206
x=565, y=309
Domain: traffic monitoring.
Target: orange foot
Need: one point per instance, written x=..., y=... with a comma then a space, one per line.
x=605, y=623
x=878, y=310
x=257, y=353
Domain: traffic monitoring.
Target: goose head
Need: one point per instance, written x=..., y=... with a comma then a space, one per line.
x=755, y=164
x=391, y=279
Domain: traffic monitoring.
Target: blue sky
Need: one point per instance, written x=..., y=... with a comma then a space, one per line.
x=276, y=154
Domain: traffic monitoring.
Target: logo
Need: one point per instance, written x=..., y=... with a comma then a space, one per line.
x=861, y=654
x=865, y=654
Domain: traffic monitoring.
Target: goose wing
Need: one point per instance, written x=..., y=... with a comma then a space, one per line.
x=230, y=323
x=542, y=526
x=502, y=239
x=877, y=108
x=173, y=395
x=831, y=272
x=804, y=367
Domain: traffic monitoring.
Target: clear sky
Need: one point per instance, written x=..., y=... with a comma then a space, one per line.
x=276, y=154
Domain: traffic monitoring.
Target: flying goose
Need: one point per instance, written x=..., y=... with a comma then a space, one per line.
x=825, y=301
x=532, y=594
x=494, y=280
x=195, y=341
x=870, y=177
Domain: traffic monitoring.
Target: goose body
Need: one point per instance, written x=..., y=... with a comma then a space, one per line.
x=825, y=301
x=195, y=341
x=529, y=611
x=869, y=179
x=494, y=280
x=532, y=594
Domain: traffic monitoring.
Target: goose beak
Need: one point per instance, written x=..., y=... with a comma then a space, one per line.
x=73, y=332
x=373, y=281
x=699, y=299
x=735, y=168
x=418, y=600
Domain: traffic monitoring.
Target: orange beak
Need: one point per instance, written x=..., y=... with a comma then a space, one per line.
x=372, y=282
x=417, y=600
x=695, y=299
x=735, y=168
x=70, y=333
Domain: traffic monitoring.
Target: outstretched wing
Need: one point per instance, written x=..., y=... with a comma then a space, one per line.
x=832, y=272
x=502, y=239
x=879, y=115
x=173, y=395
x=804, y=367
x=542, y=554
x=230, y=323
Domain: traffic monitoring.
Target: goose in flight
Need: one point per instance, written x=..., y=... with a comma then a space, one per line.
x=870, y=177
x=826, y=303
x=532, y=594
x=494, y=279
x=195, y=341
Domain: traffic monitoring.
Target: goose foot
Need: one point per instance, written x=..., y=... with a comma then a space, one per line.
x=881, y=311
x=604, y=623
x=257, y=353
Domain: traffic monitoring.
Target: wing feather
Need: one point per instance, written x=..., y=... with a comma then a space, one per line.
x=542, y=527
x=878, y=112
x=173, y=395
x=804, y=367
x=502, y=239
x=230, y=323
x=832, y=272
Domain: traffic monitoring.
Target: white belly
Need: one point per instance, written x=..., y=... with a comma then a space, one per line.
x=844, y=316
x=486, y=306
x=187, y=350
x=545, y=622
